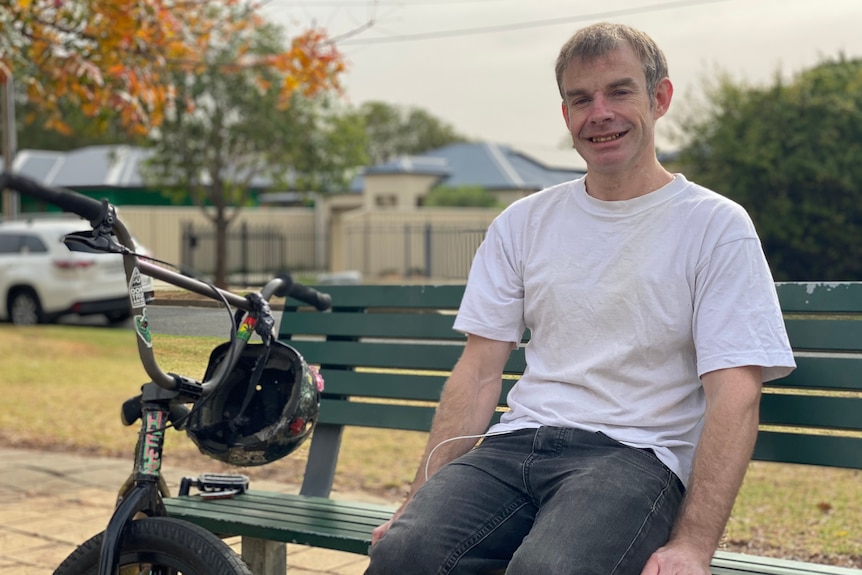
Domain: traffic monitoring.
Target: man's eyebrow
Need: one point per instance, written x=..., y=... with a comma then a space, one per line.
x=621, y=83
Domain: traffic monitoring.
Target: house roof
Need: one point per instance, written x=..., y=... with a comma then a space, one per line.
x=93, y=167
x=485, y=164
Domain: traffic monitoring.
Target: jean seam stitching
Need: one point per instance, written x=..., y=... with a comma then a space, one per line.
x=452, y=562
x=659, y=498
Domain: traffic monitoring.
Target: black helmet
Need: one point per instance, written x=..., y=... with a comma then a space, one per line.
x=264, y=410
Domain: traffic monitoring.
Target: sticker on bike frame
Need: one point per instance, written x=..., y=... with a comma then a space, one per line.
x=246, y=329
x=142, y=328
x=136, y=289
x=151, y=462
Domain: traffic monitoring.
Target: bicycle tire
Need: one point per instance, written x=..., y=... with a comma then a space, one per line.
x=163, y=546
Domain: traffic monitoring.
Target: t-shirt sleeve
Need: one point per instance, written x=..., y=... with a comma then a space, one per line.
x=493, y=302
x=737, y=318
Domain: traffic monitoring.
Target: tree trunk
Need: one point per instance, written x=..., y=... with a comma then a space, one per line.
x=221, y=224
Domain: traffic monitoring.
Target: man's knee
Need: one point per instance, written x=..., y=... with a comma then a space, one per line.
x=397, y=552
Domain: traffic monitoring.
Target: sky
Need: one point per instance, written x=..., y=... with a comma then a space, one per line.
x=486, y=66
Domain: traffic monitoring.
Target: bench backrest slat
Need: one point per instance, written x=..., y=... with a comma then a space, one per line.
x=348, y=324
x=821, y=334
x=822, y=297
x=841, y=373
x=809, y=449
x=817, y=411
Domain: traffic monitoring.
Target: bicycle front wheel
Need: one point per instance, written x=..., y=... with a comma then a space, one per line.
x=160, y=546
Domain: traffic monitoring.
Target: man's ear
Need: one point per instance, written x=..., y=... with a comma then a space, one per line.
x=663, y=96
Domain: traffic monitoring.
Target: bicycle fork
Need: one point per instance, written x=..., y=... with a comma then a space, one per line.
x=143, y=491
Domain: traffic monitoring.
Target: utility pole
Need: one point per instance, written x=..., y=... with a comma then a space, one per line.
x=11, y=201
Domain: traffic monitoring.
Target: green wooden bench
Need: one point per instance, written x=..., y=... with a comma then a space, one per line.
x=374, y=333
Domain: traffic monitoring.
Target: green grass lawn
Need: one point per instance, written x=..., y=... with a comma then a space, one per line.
x=62, y=387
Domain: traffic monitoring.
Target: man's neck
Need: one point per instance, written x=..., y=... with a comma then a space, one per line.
x=632, y=184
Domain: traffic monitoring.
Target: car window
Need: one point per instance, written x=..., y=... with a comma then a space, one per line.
x=21, y=244
x=33, y=245
x=9, y=243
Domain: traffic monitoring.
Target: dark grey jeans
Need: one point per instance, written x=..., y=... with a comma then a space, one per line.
x=547, y=501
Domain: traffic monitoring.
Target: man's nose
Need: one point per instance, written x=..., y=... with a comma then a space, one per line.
x=600, y=111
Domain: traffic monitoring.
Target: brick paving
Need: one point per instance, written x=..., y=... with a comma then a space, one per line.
x=52, y=502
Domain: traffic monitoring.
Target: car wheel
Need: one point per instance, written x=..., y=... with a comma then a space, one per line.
x=24, y=308
x=118, y=316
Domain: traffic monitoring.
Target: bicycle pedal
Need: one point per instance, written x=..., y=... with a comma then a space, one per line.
x=215, y=485
x=212, y=495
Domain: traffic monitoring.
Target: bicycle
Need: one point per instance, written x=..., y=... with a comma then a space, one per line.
x=229, y=415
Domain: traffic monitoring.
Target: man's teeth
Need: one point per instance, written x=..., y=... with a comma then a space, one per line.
x=605, y=138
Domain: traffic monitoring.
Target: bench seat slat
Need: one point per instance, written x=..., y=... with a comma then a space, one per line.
x=286, y=518
x=726, y=563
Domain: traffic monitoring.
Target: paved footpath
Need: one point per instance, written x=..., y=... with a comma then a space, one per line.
x=52, y=502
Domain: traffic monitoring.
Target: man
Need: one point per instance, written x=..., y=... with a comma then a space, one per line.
x=653, y=322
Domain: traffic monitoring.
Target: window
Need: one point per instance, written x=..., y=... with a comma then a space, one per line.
x=21, y=244
x=9, y=244
x=386, y=201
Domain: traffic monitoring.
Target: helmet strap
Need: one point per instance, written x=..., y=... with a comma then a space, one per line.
x=252, y=387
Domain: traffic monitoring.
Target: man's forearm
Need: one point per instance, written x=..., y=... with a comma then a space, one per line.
x=469, y=399
x=721, y=459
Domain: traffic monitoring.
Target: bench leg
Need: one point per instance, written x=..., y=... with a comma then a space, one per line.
x=264, y=557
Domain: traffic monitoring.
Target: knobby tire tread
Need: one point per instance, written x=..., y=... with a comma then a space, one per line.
x=178, y=543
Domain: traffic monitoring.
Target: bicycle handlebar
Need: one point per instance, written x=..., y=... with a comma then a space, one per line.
x=318, y=300
x=98, y=213
x=67, y=200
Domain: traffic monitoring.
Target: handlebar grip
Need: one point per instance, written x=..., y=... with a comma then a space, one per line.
x=66, y=200
x=319, y=300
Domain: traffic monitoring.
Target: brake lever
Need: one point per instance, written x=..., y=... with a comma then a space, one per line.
x=93, y=243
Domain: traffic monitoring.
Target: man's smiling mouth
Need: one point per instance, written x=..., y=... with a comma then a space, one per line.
x=610, y=138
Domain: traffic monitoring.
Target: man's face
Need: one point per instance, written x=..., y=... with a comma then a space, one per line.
x=609, y=113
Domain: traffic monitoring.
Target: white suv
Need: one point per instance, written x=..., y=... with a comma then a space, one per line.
x=41, y=279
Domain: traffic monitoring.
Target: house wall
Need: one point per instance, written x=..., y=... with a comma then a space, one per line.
x=396, y=191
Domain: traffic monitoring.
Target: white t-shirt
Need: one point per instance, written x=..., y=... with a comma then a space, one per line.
x=628, y=304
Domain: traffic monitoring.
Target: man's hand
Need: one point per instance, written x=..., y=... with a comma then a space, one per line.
x=381, y=530
x=676, y=560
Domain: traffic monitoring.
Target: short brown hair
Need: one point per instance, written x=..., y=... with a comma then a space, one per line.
x=601, y=39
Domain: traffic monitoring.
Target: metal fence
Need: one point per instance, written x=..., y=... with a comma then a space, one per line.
x=412, y=250
x=377, y=251
x=254, y=253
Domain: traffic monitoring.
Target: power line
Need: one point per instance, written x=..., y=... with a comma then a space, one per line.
x=363, y=3
x=531, y=24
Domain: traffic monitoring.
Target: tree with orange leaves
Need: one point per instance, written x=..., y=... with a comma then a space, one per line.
x=119, y=55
